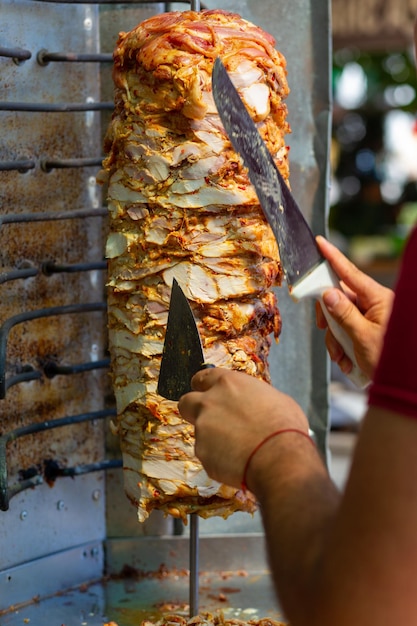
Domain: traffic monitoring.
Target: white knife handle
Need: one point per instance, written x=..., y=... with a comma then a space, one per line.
x=313, y=286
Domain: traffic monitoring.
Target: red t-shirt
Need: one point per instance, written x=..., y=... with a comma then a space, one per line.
x=395, y=382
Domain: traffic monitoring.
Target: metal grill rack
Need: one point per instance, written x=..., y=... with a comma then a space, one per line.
x=64, y=519
x=49, y=368
x=46, y=366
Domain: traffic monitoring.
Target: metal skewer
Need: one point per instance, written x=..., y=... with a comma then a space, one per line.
x=193, y=564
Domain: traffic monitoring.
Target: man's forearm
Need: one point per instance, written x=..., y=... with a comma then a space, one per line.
x=343, y=560
x=298, y=502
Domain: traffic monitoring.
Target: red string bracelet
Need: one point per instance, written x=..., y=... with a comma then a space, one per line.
x=244, y=486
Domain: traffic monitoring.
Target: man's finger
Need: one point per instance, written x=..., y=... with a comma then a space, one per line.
x=342, y=309
x=321, y=321
x=206, y=378
x=189, y=406
x=362, y=284
x=334, y=348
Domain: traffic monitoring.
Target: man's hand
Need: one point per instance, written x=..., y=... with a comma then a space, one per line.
x=362, y=309
x=232, y=413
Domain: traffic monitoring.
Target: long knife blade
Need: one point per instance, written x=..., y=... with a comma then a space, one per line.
x=182, y=355
x=297, y=246
x=307, y=273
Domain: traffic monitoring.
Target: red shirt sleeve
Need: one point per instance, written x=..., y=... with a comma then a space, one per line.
x=395, y=382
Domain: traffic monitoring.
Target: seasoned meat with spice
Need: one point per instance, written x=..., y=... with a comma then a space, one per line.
x=181, y=205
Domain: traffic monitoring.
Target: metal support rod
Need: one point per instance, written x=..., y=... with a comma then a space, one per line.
x=61, y=107
x=48, y=165
x=28, y=218
x=29, y=316
x=18, y=274
x=195, y=5
x=50, y=267
x=5, y=491
x=22, y=165
x=44, y=57
x=17, y=54
x=52, y=369
x=193, y=564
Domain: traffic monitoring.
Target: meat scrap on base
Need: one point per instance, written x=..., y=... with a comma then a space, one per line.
x=181, y=205
x=208, y=619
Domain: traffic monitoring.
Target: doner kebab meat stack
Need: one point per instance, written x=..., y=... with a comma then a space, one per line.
x=181, y=205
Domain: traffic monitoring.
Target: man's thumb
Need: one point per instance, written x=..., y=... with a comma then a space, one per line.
x=341, y=308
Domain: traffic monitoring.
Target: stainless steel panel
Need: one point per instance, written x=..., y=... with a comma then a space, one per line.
x=49, y=136
x=50, y=519
x=157, y=583
x=50, y=575
x=46, y=520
